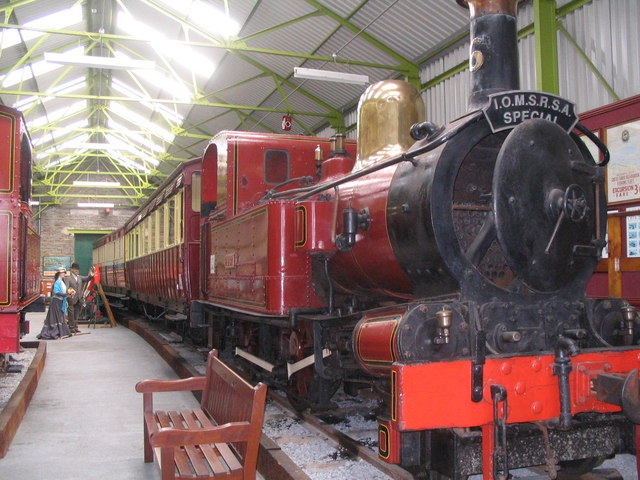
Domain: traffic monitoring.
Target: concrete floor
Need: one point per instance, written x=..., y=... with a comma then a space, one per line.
x=85, y=419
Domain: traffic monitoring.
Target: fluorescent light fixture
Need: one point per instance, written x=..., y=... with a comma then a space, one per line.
x=34, y=202
x=329, y=76
x=95, y=205
x=95, y=183
x=92, y=61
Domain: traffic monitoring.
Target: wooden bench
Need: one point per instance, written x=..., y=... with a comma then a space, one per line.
x=218, y=440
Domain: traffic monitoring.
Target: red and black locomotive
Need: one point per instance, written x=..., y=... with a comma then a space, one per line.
x=443, y=266
x=19, y=242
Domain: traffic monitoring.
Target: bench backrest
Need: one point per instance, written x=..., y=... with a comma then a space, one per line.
x=229, y=398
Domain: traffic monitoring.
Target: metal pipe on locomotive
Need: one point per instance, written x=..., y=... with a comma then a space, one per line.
x=447, y=271
x=19, y=242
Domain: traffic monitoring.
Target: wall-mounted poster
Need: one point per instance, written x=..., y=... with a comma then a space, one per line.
x=633, y=230
x=50, y=265
x=623, y=171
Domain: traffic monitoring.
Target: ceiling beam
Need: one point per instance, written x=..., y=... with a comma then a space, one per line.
x=231, y=46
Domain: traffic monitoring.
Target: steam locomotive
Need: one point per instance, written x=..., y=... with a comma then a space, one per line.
x=443, y=266
x=19, y=242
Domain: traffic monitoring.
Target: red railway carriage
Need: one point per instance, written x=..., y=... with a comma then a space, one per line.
x=154, y=259
x=257, y=251
x=19, y=243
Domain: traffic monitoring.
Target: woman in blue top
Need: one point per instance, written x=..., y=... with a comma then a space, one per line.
x=55, y=326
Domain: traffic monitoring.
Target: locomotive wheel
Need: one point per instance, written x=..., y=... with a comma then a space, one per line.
x=582, y=466
x=307, y=390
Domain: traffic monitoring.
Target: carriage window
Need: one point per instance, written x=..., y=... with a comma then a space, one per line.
x=162, y=241
x=276, y=166
x=178, y=217
x=196, y=191
x=25, y=168
x=171, y=212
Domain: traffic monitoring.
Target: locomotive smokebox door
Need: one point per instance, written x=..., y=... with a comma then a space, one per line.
x=546, y=207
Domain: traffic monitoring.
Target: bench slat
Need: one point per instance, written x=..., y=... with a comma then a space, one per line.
x=180, y=459
x=176, y=419
x=163, y=419
x=198, y=461
x=190, y=419
x=211, y=454
x=229, y=457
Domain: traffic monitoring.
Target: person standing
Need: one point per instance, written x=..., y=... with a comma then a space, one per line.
x=75, y=283
x=55, y=326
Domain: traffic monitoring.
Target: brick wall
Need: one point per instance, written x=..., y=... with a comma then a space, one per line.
x=54, y=224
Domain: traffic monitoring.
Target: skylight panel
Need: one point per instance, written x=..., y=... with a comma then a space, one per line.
x=34, y=69
x=68, y=87
x=113, y=140
x=140, y=139
x=176, y=89
x=139, y=120
x=59, y=133
x=65, y=159
x=56, y=20
x=57, y=115
x=206, y=16
x=77, y=140
x=182, y=54
x=144, y=100
x=122, y=160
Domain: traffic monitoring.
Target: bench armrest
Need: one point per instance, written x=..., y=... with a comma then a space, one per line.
x=185, y=384
x=227, y=433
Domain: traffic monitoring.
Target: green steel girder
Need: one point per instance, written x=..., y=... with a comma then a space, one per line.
x=230, y=46
x=410, y=70
x=335, y=118
x=77, y=195
x=196, y=101
x=37, y=169
x=10, y=6
x=546, y=39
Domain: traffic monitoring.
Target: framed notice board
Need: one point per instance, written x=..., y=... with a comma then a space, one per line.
x=618, y=125
x=50, y=265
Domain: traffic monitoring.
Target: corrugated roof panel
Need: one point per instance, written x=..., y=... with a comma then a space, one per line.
x=231, y=70
x=252, y=93
x=347, y=45
x=283, y=66
x=412, y=28
x=274, y=12
x=301, y=37
x=626, y=47
x=33, y=10
x=344, y=8
x=591, y=28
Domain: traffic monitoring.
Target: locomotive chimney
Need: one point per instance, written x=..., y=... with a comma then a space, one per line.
x=493, y=60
